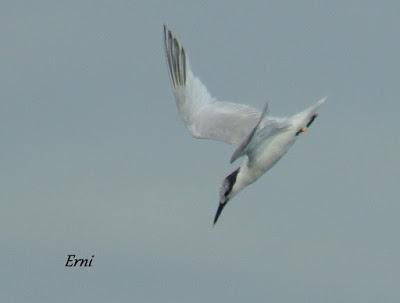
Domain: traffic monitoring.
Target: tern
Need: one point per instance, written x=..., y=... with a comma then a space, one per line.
x=261, y=139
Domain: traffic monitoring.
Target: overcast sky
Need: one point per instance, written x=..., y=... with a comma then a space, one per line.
x=94, y=159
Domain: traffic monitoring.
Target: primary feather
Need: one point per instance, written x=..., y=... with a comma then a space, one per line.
x=204, y=116
x=259, y=137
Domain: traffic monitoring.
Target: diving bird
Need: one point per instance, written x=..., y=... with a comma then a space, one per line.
x=261, y=139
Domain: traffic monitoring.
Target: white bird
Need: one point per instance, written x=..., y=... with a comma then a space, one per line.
x=262, y=139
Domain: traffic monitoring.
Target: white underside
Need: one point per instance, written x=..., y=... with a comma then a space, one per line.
x=208, y=118
x=264, y=157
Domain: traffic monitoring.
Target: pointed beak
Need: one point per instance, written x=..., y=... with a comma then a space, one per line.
x=219, y=211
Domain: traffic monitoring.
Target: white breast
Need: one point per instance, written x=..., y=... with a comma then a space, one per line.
x=270, y=151
x=263, y=158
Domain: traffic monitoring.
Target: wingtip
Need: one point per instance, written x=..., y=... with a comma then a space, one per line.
x=318, y=103
x=322, y=100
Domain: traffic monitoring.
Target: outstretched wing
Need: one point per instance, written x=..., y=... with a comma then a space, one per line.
x=204, y=116
x=241, y=150
x=265, y=128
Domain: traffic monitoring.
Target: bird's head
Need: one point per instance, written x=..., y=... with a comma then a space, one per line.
x=227, y=192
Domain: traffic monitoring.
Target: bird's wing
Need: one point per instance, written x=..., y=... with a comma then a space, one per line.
x=242, y=148
x=204, y=116
x=266, y=128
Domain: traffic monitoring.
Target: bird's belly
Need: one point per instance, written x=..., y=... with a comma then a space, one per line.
x=269, y=152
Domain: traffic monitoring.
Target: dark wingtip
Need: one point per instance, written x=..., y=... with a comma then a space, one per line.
x=312, y=120
x=165, y=29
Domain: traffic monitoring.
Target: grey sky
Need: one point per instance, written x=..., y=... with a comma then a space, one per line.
x=94, y=159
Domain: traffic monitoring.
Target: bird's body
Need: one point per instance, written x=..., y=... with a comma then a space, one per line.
x=270, y=151
x=262, y=139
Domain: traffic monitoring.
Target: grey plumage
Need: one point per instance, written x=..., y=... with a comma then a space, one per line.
x=258, y=136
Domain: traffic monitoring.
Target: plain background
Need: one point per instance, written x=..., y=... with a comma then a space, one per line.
x=95, y=161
